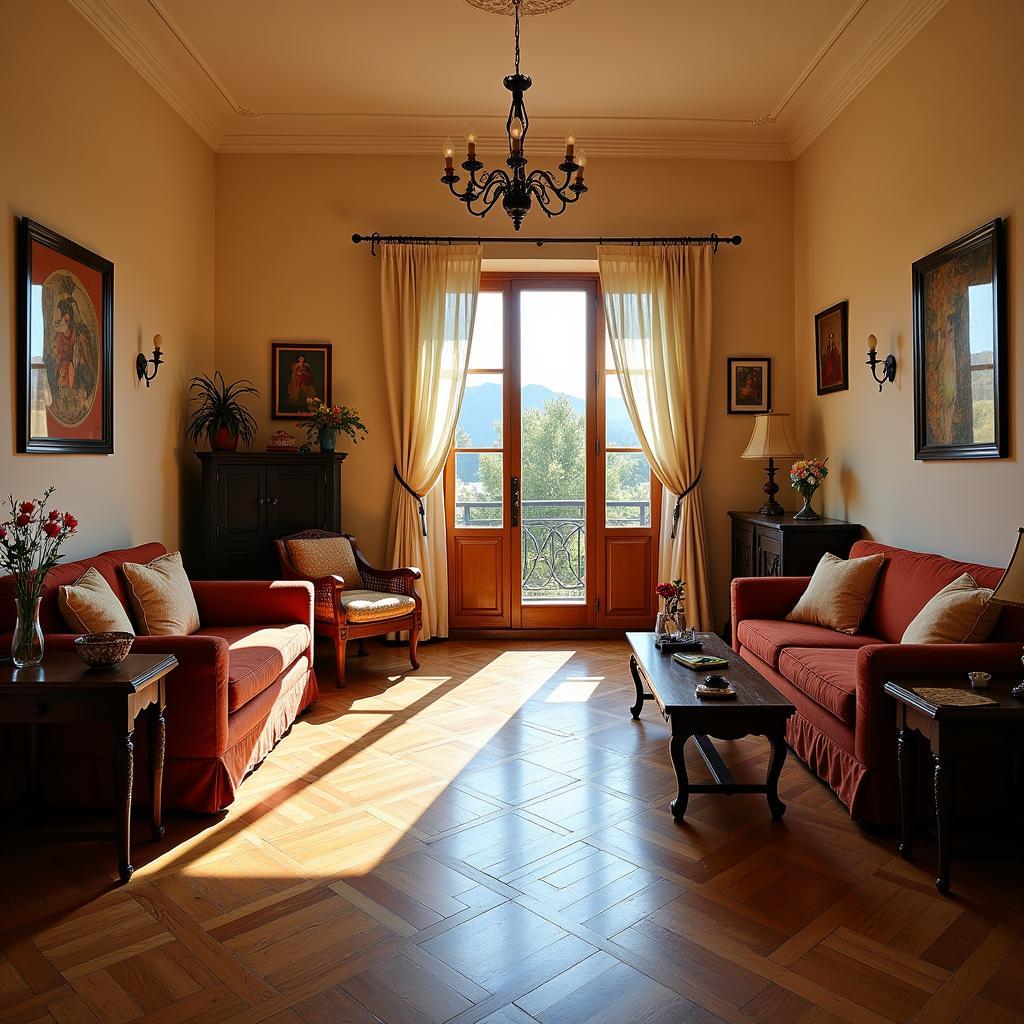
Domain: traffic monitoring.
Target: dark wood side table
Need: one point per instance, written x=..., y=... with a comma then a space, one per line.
x=784, y=546
x=952, y=732
x=758, y=709
x=63, y=690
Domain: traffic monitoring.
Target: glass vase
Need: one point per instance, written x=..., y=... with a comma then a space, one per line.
x=327, y=439
x=27, y=642
x=670, y=623
x=807, y=512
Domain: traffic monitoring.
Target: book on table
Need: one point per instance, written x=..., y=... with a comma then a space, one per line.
x=700, y=661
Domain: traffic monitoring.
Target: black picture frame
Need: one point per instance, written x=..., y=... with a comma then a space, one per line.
x=945, y=421
x=39, y=247
x=832, y=366
x=318, y=354
x=735, y=403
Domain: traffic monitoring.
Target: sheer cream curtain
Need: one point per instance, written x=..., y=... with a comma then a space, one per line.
x=428, y=304
x=658, y=317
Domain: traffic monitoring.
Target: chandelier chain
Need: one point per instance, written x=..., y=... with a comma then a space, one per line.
x=517, y=6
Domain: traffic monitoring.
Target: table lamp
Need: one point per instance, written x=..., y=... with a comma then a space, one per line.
x=1010, y=590
x=769, y=440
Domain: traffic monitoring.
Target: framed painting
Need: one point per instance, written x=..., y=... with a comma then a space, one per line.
x=300, y=370
x=961, y=405
x=750, y=384
x=65, y=342
x=832, y=348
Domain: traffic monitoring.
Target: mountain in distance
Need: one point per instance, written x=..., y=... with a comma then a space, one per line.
x=481, y=408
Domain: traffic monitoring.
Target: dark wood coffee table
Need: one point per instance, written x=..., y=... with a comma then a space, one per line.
x=63, y=689
x=757, y=710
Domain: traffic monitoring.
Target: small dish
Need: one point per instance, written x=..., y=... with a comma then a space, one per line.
x=979, y=680
x=104, y=650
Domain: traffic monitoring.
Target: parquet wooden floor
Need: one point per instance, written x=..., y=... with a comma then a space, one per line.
x=488, y=840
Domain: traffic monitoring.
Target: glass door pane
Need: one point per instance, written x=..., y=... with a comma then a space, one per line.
x=553, y=379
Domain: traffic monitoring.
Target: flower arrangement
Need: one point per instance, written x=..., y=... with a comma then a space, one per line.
x=325, y=421
x=805, y=478
x=673, y=594
x=30, y=543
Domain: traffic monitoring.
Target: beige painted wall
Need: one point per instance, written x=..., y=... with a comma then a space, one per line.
x=92, y=152
x=286, y=268
x=931, y=149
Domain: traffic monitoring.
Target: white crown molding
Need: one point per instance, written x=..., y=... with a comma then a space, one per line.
x=426, y=145
x=113, y=28
x=910, y=20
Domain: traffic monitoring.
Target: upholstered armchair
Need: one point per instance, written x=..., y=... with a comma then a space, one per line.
x=353, y=600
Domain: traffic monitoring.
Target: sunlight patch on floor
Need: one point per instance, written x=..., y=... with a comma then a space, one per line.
x=575, y=690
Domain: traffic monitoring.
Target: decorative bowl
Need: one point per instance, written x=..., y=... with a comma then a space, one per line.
x=979, y=680
x=104, y=650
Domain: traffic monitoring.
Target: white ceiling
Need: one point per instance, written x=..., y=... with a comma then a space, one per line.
x=750, y=79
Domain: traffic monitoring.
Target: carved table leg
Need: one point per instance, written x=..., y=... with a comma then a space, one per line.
x=157, y=748
x=779, y=749
x=124, y=772
x=675, y=750
x=943, y=817
x=638, y=682
x=907, y=762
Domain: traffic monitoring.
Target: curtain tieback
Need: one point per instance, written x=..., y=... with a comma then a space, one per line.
x=679, y=501
x=418, y=497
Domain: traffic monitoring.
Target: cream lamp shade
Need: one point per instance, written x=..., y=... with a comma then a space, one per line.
x=770, y=439
x=1010, y=589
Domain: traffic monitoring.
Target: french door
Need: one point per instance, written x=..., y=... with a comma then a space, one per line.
x=552, y=516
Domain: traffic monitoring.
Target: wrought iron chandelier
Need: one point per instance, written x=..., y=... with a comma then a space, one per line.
x=515, y=188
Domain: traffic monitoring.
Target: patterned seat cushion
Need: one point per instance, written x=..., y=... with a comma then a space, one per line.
x=316, y=557
x=372, y=605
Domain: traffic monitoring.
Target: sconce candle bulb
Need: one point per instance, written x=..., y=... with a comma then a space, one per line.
x=142, y=363
x=888, y=364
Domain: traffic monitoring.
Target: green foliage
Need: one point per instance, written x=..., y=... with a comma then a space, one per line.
x=217, y=404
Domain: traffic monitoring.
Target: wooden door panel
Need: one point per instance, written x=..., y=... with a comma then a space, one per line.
x=479, y=581
x=241, y=503
x=296, y=495
x=628, y=582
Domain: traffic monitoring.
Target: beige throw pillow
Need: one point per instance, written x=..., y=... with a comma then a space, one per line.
x=162, y=597
x=316, y=557
x=960, y=613
x=90, y=606
x=839, y=593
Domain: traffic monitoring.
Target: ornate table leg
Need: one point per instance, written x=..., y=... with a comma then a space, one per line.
x=906, y=748
x=124, y=772
x=779, y=749
x=638, y=682
x=675, y=750
x=157, y=748
x=943, y=817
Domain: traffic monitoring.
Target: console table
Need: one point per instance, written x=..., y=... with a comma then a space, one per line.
x=784, y=546
x=64, y=690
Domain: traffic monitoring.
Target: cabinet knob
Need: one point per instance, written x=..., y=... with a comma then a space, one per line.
x=263, y=501
x=273, y=501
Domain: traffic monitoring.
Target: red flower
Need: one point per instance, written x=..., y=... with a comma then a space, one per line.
x=26, y=508
x=54, y=515
x=23, y=520
x=3, y=533
x=51, y=529
x=70, y=522
x=665, y=590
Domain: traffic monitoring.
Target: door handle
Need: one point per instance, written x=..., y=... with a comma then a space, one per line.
x=514, y=494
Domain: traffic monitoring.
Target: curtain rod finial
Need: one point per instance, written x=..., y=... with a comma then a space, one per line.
x=736, y=239
x=357, y=238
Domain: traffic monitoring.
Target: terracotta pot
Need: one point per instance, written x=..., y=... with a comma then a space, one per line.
x=222, y=440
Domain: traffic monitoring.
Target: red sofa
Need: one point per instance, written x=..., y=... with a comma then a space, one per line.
x=241, y=681
x=845, y=726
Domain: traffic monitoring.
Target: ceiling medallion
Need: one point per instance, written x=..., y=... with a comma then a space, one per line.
x=515, y=188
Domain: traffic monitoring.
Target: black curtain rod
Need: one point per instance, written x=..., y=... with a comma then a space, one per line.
x=713, y=240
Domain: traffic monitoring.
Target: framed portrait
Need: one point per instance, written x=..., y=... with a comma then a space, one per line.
x=750, y=384
x=300, y=370
x=832, y=348
x=961, y=403
x=65, y=340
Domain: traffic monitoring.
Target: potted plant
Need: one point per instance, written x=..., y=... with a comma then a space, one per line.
x=325, y=421
x=30, y=543
x=219, y=413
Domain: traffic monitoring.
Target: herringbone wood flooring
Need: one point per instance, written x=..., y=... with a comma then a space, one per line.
x=488, y=840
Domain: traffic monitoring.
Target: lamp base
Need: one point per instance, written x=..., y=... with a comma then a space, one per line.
x=771, y=507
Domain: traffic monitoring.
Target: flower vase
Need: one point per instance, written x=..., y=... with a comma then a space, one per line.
x=807, y=512
x=670, y=623
x=27, y=642
x=327, y=438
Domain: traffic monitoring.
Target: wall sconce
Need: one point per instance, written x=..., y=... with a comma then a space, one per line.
x=888, y=364
x=142, y=363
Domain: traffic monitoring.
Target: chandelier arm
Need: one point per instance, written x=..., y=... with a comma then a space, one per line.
x=487, y=202
x=545, y=200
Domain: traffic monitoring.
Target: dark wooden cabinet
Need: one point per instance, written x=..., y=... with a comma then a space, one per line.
x=250, y=498
x=784, y=546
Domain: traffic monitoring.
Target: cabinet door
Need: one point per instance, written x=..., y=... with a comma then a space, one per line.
x=241, y=503
x=296, y=496
x=742, y=549
x=767, y=552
